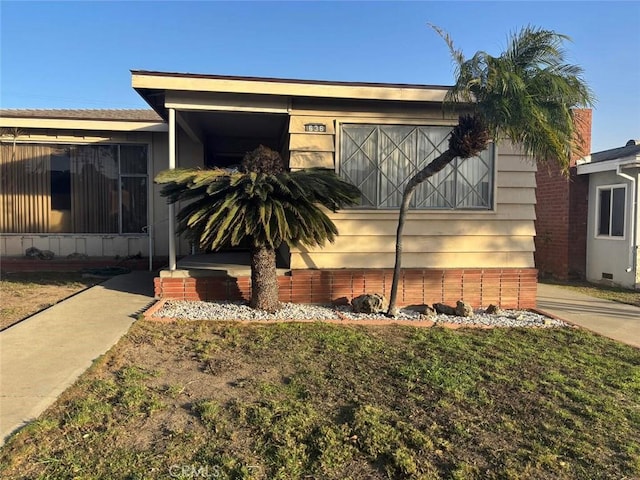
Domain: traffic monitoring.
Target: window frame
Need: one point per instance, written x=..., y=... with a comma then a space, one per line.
x=390, y=122
x=611, y=188
x=149, y=193
x=122, y=176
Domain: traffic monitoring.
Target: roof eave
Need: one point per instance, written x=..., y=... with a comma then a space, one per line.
x=143, y=81
x=609, y=165
x=83, y=124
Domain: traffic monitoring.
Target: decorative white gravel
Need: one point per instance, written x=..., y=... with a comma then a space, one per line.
x=510, y=318
x=192, y=310
x=239, y=311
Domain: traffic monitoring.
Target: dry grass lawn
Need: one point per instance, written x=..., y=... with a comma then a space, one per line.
x=23, y=294
x=318, y=401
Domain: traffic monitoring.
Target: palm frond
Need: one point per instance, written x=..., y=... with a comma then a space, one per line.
x=456, y=54
x=223, y=209
x=527, y=93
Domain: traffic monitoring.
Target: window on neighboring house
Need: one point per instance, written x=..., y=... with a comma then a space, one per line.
x=73, y=188
x=611, y=210
x=379, y=159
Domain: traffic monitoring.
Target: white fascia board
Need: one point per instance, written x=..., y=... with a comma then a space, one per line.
x=202, y=102
x=73, y=124
x=608, y=166
x=368, y=92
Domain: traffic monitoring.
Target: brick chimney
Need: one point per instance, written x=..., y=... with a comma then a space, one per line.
x=561, y=212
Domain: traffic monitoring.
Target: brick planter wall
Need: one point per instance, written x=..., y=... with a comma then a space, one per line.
x=508, y=288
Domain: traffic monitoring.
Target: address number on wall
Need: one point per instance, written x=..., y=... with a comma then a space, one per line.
x=315, y=127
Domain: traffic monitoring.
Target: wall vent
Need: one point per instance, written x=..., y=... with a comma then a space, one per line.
x=607, y=276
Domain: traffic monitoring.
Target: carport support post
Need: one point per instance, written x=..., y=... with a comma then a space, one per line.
x=172, y=207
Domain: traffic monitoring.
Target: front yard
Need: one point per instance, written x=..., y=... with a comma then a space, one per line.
x=304, y=401
x=25, y=293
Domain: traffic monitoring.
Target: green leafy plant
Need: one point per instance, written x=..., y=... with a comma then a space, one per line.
x=266, y=209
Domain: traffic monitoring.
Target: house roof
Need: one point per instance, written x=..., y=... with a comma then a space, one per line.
x=129, y=115
x=612, y=159
x=286, y=80
x=131, y=120
x=632, y=148
x=163, y=90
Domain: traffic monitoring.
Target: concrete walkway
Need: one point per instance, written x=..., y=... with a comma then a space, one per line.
x=43, y=355
x=611, y=319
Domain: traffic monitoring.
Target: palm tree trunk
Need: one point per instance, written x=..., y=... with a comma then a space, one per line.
x=264, y=279
x=434, y=167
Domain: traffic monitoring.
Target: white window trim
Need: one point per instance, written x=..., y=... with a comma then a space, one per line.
x=596, y=225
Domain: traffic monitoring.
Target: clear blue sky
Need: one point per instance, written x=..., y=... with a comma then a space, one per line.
x=78, y=54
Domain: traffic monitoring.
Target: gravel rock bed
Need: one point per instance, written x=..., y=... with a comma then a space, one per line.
x=510, y=318
x=240, y=311
x=192, y=310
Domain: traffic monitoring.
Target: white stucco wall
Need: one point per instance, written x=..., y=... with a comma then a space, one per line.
x=611, y=255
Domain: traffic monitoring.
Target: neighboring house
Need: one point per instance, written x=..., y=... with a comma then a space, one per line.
x=77, y=181
x=613, y=226
x=81, y=182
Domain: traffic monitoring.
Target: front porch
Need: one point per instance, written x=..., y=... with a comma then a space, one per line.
x=232, y=264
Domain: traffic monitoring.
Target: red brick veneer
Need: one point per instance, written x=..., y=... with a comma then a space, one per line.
x=561, y=213
x=509, y=288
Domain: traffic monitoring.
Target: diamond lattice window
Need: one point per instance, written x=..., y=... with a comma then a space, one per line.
x=380, y=159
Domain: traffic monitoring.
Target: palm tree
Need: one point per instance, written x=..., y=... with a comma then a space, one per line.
x=262, y=205
x=527, y=94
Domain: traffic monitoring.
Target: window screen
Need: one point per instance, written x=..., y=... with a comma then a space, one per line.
x=611, y=211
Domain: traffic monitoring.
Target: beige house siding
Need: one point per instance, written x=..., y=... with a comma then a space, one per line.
x=500, y=238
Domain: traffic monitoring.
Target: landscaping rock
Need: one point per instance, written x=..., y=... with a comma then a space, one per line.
x=494, y=310
x=429, y=312
x=369, y=303
x=463, y=309
x=444, y=309
x=34, y=252
x=340, y=301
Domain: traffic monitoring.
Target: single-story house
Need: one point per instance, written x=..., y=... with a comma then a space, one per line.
x=613, y=221
x=81, y=181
